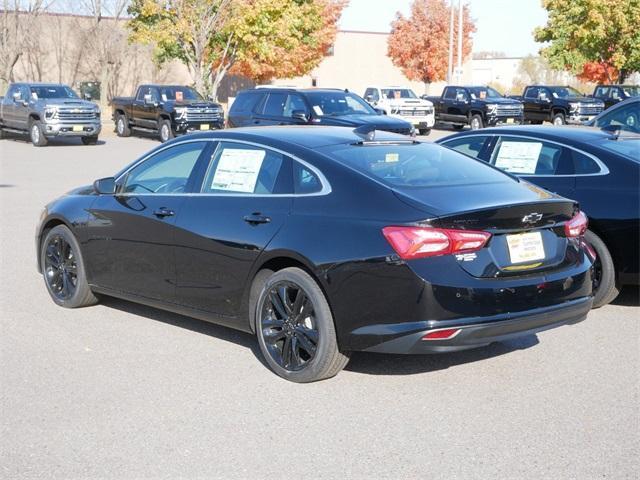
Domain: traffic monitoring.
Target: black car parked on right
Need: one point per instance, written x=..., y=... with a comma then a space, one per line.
x=329, y=107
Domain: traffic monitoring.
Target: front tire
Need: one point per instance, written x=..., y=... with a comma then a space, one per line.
x=295, y=328
x=63, y=269
x=604, y=281
x=424, y=131
x=476, y=122
x=558, y=119
x=122, y=126
x=36, y=134
x=165, y=131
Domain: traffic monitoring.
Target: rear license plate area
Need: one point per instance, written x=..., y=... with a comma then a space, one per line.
x=525, y=247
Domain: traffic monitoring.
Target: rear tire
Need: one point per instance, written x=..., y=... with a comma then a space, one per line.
x=476, y=122
x=122, y=126
x=605, y=288
x=558, y=119
x=424, y=131
x=2, y=135
x=295, y=329
x=36, y=134
x=89, y=140
x=165, y=131
x=63, y=269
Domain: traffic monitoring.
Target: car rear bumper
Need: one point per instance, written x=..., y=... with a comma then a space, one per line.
x=475, y=332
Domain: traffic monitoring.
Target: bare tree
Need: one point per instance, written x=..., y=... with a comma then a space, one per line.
x=18, y=26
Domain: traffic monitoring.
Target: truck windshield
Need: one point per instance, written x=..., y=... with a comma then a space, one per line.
x=565, y=92
x=396, y=93
x=338, y=103
x=483, y=93
x=52, y=91
x=179, y=94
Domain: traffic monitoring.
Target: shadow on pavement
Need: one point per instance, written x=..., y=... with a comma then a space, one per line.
x=385, y=364
x=629, y=297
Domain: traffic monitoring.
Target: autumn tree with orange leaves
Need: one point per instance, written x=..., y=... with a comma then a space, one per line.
x=419, y=44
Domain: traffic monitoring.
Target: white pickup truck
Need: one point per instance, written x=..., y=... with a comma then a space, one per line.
x=403, y=103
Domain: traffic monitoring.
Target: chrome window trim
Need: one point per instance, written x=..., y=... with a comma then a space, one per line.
x=604, y=170
x=326, y=186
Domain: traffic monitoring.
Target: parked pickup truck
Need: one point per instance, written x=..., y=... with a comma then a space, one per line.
x=403, y=103
x=45, y=110
x=612, y=94
x=165, y=110
x=476, y=106
x=558, y=105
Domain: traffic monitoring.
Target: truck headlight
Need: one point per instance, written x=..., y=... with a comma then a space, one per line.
x=492, y=108
x=573, y=107
x=181, y=112
x=50, y=112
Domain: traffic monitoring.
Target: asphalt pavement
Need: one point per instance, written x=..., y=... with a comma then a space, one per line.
x=122, y=391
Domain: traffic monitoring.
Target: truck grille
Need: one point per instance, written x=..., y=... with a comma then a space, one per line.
x=77, y=115
x=509, y=110
x=589, y=109
x=203, y=114
x=415, y=112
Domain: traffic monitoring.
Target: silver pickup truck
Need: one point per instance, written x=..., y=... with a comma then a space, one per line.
x=47, y=110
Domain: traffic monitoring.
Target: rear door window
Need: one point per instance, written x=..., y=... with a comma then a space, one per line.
x=247, y=169
x=274, y=106
x=245, y=103
x=524, y=156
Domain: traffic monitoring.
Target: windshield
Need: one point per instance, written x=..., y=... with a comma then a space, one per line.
x=179, y=94
x=338, y=104
x=565, y=92
x=52, y=91
x=484, y=93
x=398, y=93
x=632, y=90
x=416, y=165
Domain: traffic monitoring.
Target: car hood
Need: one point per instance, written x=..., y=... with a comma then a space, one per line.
x=502, y=101
x=66, y=102
x=594, y=101
x=380, y=121
x=193, y=103
x=408, y=102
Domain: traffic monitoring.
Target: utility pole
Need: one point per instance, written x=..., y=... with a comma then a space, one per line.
x=459, y=75
x=450, y=65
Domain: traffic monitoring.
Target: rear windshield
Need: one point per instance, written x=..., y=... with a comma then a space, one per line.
x=415, y=165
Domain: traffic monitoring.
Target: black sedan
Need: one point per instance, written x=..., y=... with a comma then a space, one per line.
x=599, y=169
x=323, y=241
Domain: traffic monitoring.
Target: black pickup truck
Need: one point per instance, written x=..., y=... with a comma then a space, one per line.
x=612, y=94
x=476, y=106
x=166, y=110
x=559, y=105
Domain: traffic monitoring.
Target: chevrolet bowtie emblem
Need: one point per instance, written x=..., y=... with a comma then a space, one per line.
x=532, y=218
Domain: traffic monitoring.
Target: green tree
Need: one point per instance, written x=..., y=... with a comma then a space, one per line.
x=584, y=31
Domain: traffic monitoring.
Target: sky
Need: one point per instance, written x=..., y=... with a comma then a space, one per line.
x=502, y=25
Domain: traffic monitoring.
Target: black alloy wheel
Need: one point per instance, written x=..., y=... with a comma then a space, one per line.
x=288, y=326
x=61, y=268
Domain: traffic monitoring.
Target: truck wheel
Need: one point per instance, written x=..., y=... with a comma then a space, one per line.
x=535, y=122
x=476, y=122
x=424, y=131
x=92, y=140
x=122, y=126
x=36, y=134
x=604, y=274
x=1, y=133
x=558, y=119
x=166, y=132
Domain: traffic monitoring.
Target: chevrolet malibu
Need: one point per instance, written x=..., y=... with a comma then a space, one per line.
x=323, y=241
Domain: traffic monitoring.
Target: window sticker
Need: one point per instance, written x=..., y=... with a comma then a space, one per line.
x=317, y=109
x=179, y=96
x=519, y=157
x=238, y=170
x=391, y=157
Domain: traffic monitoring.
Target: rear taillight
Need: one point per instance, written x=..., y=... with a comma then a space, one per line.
x=419, y=242
x=444, y=334
x=577, y=225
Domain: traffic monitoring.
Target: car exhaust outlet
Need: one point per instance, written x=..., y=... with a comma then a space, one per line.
x=442, y=334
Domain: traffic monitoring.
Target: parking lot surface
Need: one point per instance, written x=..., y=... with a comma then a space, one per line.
x=125, y=391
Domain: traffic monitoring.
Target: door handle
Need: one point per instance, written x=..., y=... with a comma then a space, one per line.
x=256, y=218
x=256, y=122
x=164, y=212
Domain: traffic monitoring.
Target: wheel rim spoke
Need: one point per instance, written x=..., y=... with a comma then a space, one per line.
x=276, y=301
x=61, y=268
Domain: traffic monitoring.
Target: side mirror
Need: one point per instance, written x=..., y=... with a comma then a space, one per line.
x=105, y=186
x=300, y=115
x=87, y=97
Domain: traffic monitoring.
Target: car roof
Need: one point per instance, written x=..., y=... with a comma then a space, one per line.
x=559, y=134
x=291, y=89
x=307, y=136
